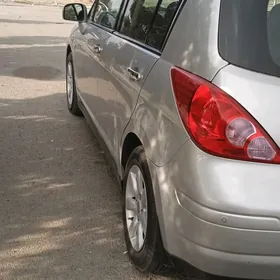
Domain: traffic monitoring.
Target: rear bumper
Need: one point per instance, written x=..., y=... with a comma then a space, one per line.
x=230, y=264
x=220, y=216
x=226, y=251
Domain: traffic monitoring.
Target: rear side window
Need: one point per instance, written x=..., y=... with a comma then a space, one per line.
x=148, y=21
x=162, y=22
x=249, y=34
x=106, y=12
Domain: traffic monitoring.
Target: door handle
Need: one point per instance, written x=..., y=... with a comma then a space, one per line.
x=97, y=49
x=134, y=75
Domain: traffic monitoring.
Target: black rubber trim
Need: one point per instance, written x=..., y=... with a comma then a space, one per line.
x=143, y=45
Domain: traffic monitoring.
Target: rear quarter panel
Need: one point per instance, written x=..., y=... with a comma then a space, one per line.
x=193, y=42
x=155, y=119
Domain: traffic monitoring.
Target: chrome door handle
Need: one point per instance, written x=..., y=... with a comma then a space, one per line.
x=134, y=75
x=97, y=49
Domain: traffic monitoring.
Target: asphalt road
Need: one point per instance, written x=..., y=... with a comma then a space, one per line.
x=60, y=210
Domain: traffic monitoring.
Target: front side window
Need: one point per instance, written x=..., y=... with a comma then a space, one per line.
x=249, y=34
x=148, y=21
x=106, y=13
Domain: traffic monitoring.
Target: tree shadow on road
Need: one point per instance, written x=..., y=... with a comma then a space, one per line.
x=31, y=40
x=60, y=207
x=60, y=210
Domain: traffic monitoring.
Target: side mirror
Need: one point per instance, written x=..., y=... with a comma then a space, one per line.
x=75, y=12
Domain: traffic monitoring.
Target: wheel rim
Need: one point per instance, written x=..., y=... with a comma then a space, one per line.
x=70, y=84
x=136, y=208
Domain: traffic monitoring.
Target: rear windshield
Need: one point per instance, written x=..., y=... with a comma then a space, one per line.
x=249, y=34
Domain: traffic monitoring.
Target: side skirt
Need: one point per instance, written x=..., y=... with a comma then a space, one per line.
x=101, y=142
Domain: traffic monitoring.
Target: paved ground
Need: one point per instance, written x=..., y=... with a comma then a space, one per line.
x=60, y=213
x=47, y=2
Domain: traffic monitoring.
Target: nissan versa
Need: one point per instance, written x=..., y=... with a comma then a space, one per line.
x=185, y=95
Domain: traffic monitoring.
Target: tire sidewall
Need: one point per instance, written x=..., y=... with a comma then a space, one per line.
x=143, y=258
x=70, y=59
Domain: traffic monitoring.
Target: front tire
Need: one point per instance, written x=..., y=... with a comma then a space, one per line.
x=71, y=93
x=141, y=228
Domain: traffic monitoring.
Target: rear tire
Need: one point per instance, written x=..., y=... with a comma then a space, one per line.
x=71, y=93
x=150, y=256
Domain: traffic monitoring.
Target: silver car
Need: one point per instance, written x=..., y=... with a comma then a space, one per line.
x=184, y=95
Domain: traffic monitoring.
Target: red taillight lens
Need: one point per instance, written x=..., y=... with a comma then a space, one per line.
x=217, y=123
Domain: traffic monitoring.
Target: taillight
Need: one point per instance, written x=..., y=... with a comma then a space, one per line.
x=217, y=123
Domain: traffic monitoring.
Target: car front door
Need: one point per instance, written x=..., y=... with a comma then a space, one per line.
x=105, y=102
x=92, y=59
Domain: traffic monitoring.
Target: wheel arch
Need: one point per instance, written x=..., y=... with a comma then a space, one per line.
x=130, y=142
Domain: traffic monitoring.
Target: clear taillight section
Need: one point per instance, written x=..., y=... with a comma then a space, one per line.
x=217, y=123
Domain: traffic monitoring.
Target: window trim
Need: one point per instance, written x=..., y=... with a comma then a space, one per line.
x=138, y=43
x=145, y=45
x=110, y=30
x=120, y=18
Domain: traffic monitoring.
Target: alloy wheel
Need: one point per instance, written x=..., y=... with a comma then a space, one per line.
x=136, y=208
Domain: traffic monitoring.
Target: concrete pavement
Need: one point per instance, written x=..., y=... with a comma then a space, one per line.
x=47, y=2
x=60, y=210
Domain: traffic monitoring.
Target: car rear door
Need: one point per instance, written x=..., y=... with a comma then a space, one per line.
x=136, y=48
